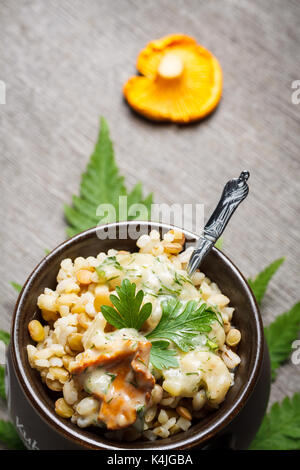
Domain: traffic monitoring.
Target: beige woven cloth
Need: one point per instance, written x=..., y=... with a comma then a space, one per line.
x=64, y=63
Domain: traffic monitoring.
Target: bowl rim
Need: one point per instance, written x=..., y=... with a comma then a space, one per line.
x=76, y=437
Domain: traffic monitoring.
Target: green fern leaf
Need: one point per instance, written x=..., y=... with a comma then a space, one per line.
x=101, y=183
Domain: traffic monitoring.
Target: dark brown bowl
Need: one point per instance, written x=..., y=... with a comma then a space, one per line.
x=233, y=425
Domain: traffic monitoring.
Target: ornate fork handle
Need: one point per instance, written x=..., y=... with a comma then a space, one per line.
x=234, y=192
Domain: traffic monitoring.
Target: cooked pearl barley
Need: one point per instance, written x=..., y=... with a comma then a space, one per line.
x=170, y=423
x=85, y=422
x=84, y=320
x=173, y=248
x=36, y=331
x=93, y=262
x=167, y=401
x=230, y=358
x=150, y=435
x=169, y=237
x=87, y=406
x=185, y=255
x=67, y=264
x=64, y=310
x=233, y=337
x=90, y=309
x=157, y=250
x=206, y=291
x=154, y=235
x=54, y=385
x=75, y=343
x=60, y=374
x=174, y=429
x=175, y=402
x=163, y=417
x=56, y=362
x=184, y=424
x=199, y=400
x=197, y=278
x=157, y=393
x=143, y=241
x=44, y=353
x=63, y=409
x=161, y=431
x=31, y=350
x=70, y=392
x=67, y=360
x=229, y=312
x=101, y=257
x=67, y=286
x=42, y=363
x=67, y=299
x=47, y=302
x=184, y=412
x=57, y=350
x=80, y=263
x=112, y=252
x=84, y=276
x=218, y=299
x=150, y=414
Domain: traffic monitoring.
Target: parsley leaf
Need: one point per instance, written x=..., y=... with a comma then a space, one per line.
x=5, y=337
x=280, y=429
x=280, y=334
x=260, y=283
x=2, y=383
x=127, y=312
x=9, y=436
x=161, y=357
x=102, y=184
x=16, y=286
x=181, y=323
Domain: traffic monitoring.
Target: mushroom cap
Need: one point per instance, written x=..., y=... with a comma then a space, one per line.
x=180, y=80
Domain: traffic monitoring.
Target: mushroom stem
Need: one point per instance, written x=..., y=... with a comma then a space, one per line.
x=170, y=67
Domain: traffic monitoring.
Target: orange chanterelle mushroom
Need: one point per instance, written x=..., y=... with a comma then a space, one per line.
x=127, y=362
x=181, y=81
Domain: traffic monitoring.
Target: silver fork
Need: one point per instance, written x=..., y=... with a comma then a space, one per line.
x=234, y=192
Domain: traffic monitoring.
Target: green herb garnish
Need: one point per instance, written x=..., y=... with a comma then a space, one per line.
x=112, y=376
x=128, y=312
x=180, y=279
x=181, y=323
x=165, y=290
x=161, y=357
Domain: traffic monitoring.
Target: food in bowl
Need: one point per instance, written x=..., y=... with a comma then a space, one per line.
x=134, y=345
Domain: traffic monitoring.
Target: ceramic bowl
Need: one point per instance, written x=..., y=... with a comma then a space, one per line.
x=31, y=404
